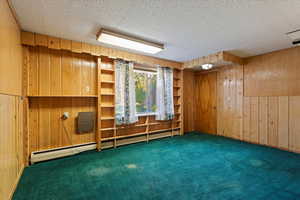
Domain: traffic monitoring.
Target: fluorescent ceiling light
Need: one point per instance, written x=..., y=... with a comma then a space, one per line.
x=128, y=42
x=207, y=66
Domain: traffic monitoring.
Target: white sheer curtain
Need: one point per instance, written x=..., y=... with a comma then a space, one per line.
x=125, y=93
x=164, y=94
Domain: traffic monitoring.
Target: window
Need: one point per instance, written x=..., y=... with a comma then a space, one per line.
x=145, y=92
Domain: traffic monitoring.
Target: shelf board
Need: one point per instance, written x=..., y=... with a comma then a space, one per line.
x=176, y=78
x=177, y=87
x=107, y=70
x=108, y=94
x=161, y=130
x=107, y=106
x=123, y=136
x=135, y=134
x=107, y=129
x=108, y=138
x=90, y=96
x=155, y=123
x=141, y=125
x=131, y=126
x=107, y=118
x=111, y=82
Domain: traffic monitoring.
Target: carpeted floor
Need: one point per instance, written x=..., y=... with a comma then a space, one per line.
x=194, y=166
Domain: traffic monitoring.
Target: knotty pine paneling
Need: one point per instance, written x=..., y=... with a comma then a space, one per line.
x=283, y=122
x=230, y=101
x=10, y=53
x=257, y=104
x=11, y=104
x=273, y=74
x=263, y=120
x=46, y=128
x=11, y=143
x=188, y=99
x=60, y=73
x=267, y=120
x=294, y=124
x=278, y=121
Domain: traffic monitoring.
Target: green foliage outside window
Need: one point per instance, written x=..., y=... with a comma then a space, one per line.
x=145, y=92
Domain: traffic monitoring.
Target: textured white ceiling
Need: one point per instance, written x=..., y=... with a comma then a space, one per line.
x=188, y=28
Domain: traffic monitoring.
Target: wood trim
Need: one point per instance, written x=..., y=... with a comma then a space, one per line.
x=217, y=59
x=16, y=182
x=35, y=39
x=13, y=12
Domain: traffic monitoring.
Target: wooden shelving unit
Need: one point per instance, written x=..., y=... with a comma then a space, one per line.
x=147, y=128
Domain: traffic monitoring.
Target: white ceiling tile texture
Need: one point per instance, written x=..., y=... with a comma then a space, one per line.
x=188, y=28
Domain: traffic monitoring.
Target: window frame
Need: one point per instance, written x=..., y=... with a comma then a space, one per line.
x=144, y=71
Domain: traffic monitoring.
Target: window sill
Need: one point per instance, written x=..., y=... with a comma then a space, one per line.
x=145, y=114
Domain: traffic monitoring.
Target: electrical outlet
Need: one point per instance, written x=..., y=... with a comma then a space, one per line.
x=65, y=115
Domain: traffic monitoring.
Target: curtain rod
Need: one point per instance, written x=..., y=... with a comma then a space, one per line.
x=143, y=66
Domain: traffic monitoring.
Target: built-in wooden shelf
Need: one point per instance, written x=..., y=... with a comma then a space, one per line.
x=111, y=82
x=108, y=94
x=107, y=70
x=144, y=126
x=107, y=118
x=123, y=136
x=107, y=106
x=137, y=125
x=154, y=123
x=161, y=130
x=137, y=134
x=107, y=129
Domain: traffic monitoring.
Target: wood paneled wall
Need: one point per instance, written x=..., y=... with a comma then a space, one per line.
x=273, y=74
x=11, y=147
x=188, y=99
x=11, y=103
x=60, y=73
x=267, y=120
x=48, y=130
x=273, y=121
x=10, y=53
x=230, y=101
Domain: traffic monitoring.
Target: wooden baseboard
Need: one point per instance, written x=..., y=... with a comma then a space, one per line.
x=16, y=183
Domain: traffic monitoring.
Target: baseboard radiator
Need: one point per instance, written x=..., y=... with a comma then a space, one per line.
x=50, y=154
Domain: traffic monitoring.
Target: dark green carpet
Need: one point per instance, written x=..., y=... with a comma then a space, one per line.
x=194, y=166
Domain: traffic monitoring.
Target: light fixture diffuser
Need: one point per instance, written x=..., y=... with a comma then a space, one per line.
x=128, y=42
x=207, y=66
